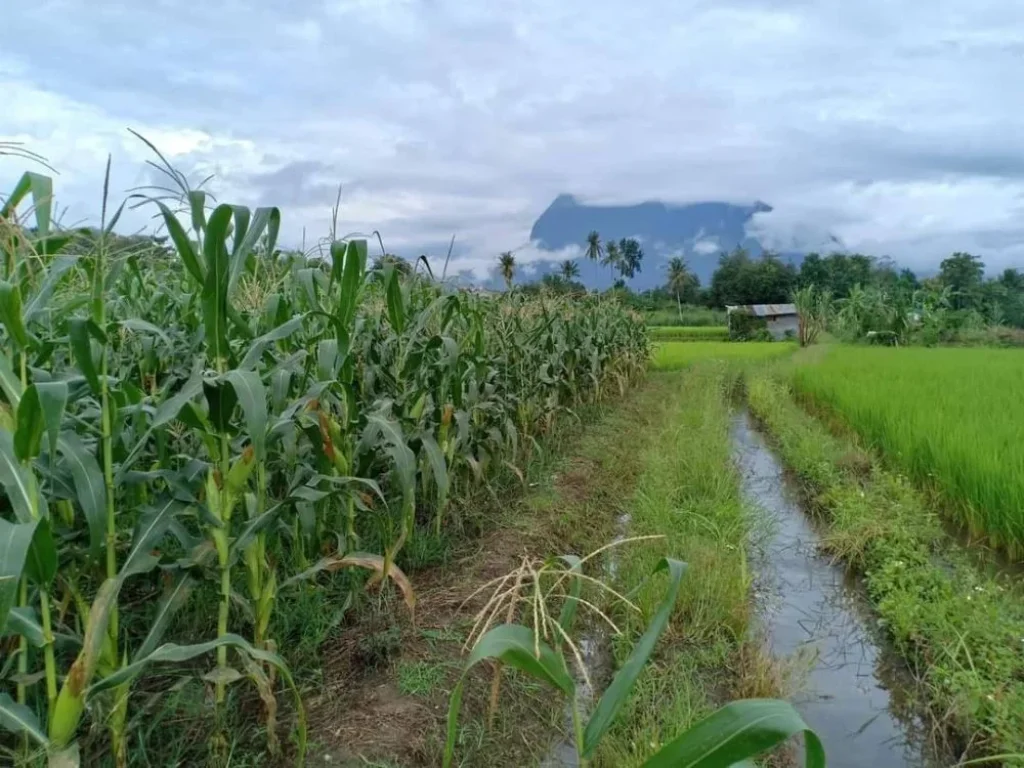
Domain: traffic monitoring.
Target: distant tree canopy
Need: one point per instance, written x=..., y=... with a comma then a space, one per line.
x=741, y=279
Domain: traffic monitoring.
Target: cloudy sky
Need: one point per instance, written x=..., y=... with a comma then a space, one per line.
x=894, y=124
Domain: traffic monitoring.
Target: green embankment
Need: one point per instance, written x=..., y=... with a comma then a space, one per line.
x=688, y=333
x=689, y=493
x=674, y=355
x=960, y=628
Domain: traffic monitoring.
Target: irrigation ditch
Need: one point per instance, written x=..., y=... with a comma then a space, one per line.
x=855, y=691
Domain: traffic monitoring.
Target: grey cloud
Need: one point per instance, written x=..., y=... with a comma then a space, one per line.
x=891, y=125
x=298, y=183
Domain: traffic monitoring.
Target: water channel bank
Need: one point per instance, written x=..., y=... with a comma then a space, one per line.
x=811, y=611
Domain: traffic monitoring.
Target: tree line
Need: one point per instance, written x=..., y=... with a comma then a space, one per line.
x=856, y=284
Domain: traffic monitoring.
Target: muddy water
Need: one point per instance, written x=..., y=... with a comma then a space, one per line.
x=812, y=612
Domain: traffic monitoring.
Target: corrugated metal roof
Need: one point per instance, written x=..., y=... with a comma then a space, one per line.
x=766, y=310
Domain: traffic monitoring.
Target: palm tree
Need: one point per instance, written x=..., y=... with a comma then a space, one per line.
x=507, y=265
x=594, y=248
x=680, y=279
x=570, y=270
x=630, y=256
x=612, y=258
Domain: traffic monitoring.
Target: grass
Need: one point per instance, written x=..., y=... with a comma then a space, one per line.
x=420, y=678
x=959, y=625
x=949, y=417
x=689, y=316
x=675, y=355
x=688, y=333
x=689, y=493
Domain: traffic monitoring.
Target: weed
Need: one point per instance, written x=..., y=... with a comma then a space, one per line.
x=376, y=648
x=419, y=678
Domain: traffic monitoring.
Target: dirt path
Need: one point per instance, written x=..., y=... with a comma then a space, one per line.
x=387, y=680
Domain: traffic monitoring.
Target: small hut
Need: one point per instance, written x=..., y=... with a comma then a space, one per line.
x=779, y=320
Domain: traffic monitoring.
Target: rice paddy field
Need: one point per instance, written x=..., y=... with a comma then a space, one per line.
x=688, y=333
x=674, y=355
x=951, y=418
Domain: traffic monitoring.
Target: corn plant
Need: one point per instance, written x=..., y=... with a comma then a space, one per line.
x=732, y=735
x=194, y=422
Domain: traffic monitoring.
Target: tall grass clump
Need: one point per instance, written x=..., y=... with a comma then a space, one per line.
x=201, y=425
x=950, y=417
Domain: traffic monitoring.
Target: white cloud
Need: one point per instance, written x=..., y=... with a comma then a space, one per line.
x=885, y=124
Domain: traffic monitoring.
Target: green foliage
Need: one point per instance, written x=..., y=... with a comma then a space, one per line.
x=949, y=417
x=746, y=326
x=194, y=431
x=873, y=297
x=661, y=309
x=740, y=279
x=814, y=306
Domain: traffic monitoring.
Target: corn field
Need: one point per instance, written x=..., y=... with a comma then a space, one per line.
x=212, y=419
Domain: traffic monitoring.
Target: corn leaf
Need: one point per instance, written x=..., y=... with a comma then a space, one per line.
x=252, y=396
x=353, y=257
x=41, y=563
x=17, y=480
x=143, y=326
x=23, y=622
x=438, y=468
x=90, y=491
x=15, y=543
x=739, y=731
x=197, y=210
x=38, y=304
x=617, y=693
x=247, y=235
x=215, y=286
x=169, y=409
x=182, y=244
x=395, y=301
x=41, y=188
x=11, y=314
x=383, y=432
x=514, y=645
x=171, y=602
x=17, y=718
x=28, y=436
x=10, y=384
x=152, y=525
x=41, y=408
x=365, y=560
x=80, y=330
x=260, y=344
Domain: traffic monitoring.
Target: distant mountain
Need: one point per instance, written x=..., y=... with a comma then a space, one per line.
x=699, y=232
